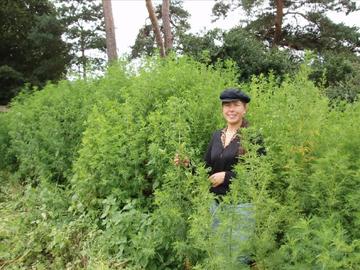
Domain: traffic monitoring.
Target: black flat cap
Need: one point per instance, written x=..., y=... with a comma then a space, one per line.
x=232, y=94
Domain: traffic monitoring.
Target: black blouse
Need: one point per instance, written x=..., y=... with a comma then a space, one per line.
x=220, y=158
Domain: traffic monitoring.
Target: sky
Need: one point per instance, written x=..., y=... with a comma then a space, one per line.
x=131, y=15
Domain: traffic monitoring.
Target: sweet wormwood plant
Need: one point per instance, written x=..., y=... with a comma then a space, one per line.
x=173, y=204
x=127, y=153
x=299, y=174
x=117, y=155
x=304, y=145
x=6, y=160
x=304, y=189
x=46, y=126
x=125, y=205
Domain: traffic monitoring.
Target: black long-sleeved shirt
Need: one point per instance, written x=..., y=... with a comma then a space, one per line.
x=220, y=158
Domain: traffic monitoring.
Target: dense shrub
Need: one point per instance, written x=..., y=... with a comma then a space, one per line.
x=126, y=148
x=348, y=89
x=38, y=231
x=304, y=190
x=129, y=207
x=6, y=159
x=46, y=126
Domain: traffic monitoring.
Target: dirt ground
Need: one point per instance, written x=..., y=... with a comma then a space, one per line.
x=3, y=108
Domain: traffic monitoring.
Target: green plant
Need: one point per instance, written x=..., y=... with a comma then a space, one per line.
x=128, y=206
x=46, y=126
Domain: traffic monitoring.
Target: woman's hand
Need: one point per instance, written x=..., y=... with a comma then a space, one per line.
x=217, y=179
x=177, y=161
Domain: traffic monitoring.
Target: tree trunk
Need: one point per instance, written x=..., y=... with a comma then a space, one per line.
x=166, y=25
x=110, y=31
x=83, y=57
x=278, y=21
x=156, y=27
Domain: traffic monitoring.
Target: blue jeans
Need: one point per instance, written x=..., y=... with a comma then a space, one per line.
x=236, y=231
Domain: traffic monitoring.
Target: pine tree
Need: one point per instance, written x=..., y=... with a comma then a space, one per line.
x=85, y=34
x=110, y=31
x=300, y=25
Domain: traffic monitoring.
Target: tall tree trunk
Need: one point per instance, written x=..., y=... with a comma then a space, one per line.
x=156, y=27
x=83, y=59
x=110, y=31
x=278, y=21
x=166, y=25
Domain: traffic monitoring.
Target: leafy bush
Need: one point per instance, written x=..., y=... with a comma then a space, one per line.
x=126, y=147
x=10, y=81
x=37, y=229
x=129, y=207
x=348, y=89
x=46, y=126
x=6, y=159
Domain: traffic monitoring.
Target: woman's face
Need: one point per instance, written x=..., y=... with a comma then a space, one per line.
x=233, y=111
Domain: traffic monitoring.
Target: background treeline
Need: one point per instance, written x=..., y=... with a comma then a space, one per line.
x=87, y=179
x=49, y=40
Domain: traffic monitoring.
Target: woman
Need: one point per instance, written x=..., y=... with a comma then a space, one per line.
x=224, y=148
x=221, y=156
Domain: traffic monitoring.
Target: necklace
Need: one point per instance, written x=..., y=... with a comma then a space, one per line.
x=225, y=133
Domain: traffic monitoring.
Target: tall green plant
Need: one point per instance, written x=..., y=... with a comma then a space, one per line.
x=303, y=190
x=6, y=159
x=127, y=152
x=117, y=151
x=46, y=127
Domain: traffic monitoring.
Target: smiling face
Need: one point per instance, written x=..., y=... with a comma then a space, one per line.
x=233, y=111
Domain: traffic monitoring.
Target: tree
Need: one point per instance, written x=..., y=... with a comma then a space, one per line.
x=252, y=57
x=85, y=33
x=110, y=31
x=278, y=22
x=166, y=25
x=146, y=39
x=339, y=73
x=202, y=47
x=31, y=48
x=155, y=26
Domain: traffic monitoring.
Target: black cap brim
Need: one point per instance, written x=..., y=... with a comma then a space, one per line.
x=230, y=100
x=235, y=99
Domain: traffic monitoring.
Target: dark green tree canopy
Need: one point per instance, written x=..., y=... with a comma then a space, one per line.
x=301, y=24
x=251, y=55
x=322, y=34
x=31, y=48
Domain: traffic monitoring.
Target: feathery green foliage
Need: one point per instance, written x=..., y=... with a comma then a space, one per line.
x=124, y=203
x=46, y=127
